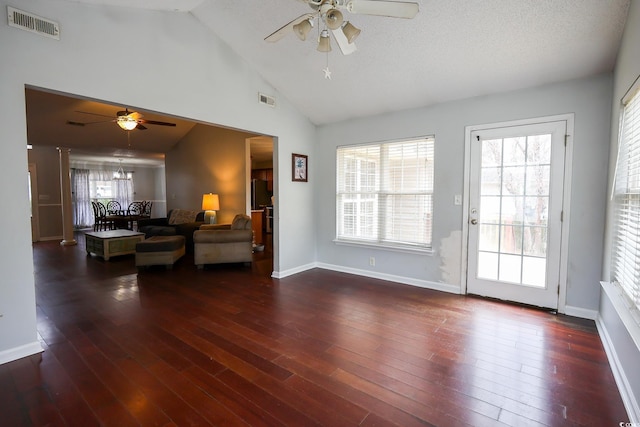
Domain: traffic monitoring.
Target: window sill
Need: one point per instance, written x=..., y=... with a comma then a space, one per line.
x=382, y=246
x=628, y=315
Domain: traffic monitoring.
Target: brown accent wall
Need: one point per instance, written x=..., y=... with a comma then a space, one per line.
x=208, y=160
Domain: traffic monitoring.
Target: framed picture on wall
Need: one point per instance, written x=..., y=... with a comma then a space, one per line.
x=299, y=166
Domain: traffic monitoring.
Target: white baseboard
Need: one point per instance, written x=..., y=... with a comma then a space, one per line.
x=20, y=352
x=444, y=287
x=580, y=312
x=626, y=392
x=290, y=272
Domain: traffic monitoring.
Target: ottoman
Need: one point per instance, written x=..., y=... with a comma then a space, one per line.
x=159, y=250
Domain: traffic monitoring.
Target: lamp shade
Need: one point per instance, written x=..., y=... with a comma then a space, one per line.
x=324, y=43
x=303, y=28
x=333, y=19
x=127, y=122
x=210, y=202
x=350, y=31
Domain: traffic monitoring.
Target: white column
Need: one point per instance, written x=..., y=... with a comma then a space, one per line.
x=65, y=193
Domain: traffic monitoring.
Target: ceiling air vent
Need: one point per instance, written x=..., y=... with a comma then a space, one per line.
x=33, y=23
x=267, y=100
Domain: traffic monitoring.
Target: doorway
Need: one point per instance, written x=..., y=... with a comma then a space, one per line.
x=515, y=211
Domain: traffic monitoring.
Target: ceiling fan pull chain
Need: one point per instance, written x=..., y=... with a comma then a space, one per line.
x=327, y=72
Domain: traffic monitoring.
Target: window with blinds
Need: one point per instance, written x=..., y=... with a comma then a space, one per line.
x=385, y=194
x=625, y=266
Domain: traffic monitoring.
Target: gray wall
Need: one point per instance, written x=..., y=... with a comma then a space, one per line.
x=589, y=99
x=620, y=344
x=185, y=70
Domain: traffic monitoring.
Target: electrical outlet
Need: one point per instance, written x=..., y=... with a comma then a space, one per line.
x=457, y=199
x=372, y=261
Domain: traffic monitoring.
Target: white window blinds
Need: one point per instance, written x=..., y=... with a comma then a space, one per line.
x=626, y=202
x=385, y=193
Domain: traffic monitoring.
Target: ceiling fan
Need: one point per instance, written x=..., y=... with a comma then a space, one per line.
x=127, y=120
x=328, y=14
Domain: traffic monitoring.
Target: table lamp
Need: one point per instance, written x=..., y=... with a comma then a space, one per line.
x=210, y=204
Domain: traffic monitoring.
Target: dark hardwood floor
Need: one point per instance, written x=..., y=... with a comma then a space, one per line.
x=228, y=345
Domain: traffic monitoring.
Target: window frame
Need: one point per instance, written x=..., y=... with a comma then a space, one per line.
x=371, y=180
x=625, y=249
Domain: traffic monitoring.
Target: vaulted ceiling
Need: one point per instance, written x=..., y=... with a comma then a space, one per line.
x=451, y=50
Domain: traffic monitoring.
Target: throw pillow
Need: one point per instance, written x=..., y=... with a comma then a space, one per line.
x=241, y=222
x=182, y=216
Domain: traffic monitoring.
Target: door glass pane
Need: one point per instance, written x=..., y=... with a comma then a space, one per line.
x=536, y=210
x=512, y=210
x=539, y=149
x=510, y=268
x=514, y=203
x=489, y=237
x=514, y=150
x=491, y=181
x=534, y=271
x=535, y=241
x=537, y=180
x=487, y=266
x=490, y=210
x=513, y=180
x=492, y=153
x=511, y=239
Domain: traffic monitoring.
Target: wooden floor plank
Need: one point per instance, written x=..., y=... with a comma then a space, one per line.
x=229, y=345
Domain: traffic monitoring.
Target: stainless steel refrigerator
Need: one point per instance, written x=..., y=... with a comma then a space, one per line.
x=260, y=197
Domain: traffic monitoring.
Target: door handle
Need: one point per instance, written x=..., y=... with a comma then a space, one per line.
x=474, y=221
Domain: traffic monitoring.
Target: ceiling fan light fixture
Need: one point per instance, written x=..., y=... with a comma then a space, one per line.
x=333, y=19
x=302, y=29
x=350, y=31
x=127, y=122
x=324, y=42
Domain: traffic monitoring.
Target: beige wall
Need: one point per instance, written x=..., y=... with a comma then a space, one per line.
x=208, y=160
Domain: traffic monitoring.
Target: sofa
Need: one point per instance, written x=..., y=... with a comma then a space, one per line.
x=224, y=243
x=179, y=222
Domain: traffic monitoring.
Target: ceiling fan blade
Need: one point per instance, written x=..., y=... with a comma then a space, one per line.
x=394, y=9
x=93, y=114
x=154, y=122
x=286, y=29
x=140, y=127
x=73, y=123
x=344, y=45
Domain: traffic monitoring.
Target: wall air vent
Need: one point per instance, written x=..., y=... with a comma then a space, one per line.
x=33, y=23
x=267, y=100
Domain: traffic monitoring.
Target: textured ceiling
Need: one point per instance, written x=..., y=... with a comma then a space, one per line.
x=450, y=50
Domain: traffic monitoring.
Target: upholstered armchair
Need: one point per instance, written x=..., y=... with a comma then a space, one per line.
x=224, y=243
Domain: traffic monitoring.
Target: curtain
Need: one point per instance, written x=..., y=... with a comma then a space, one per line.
x=123, y=191
x=81, y=199
x=97, y=184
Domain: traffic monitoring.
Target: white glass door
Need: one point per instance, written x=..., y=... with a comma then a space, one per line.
x=515, y=209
